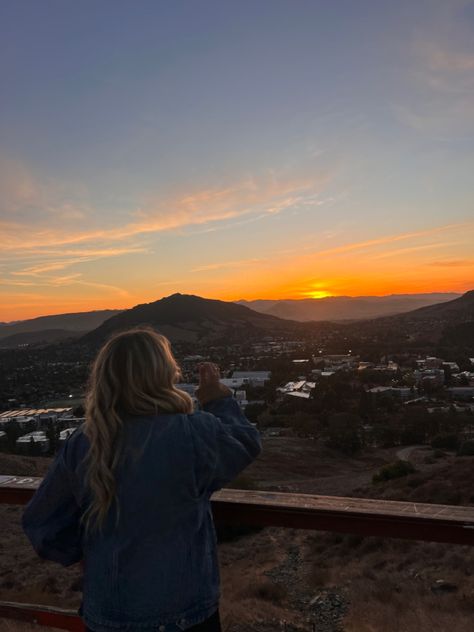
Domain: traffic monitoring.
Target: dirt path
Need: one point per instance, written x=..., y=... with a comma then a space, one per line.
x=404, y=453
x=323, y=611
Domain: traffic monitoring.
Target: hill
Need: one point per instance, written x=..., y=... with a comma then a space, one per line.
x=189, y=318
x=340, y=308
x=459, y=310
x=431, y=329
x=52, y=328
x=434, y=320
x=43, y=337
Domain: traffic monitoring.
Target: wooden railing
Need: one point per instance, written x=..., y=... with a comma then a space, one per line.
x=361, y=516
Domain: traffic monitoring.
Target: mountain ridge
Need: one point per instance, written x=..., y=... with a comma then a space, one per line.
x=345, y=308
x=189, y=318
x=79, y=322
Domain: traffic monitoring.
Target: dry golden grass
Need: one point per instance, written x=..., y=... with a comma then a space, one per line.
x=248, y=595
x=405, y=609
x=387, y=581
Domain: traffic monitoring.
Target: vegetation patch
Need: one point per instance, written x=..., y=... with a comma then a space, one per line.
x=393, y=470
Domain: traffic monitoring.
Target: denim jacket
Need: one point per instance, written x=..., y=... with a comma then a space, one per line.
x=156, y=567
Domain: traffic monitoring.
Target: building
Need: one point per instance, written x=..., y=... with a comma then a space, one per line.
x=465, y=393
x=188, y=388
x=233, y=383
x=23, y=422
x=452, y=366
x=365, y=365
x=430, y=362
x=403, y=392
x=253, y=378
x=433, y=377
x=378, y=390
x=321, y=373
x=40, y=417
x=241, y=397
x=301, y=389
x=65, y=434
x=38, y=439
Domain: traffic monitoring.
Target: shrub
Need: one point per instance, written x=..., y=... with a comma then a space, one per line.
x=467, y=448
x=393, y=470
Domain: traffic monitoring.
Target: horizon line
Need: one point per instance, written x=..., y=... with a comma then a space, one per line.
x=306, y=298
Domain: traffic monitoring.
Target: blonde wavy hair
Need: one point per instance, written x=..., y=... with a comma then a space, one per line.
x=133, y=374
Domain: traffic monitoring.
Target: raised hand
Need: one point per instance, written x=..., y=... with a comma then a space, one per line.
x=209, y=385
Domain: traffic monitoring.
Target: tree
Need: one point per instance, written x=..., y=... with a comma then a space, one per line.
x=252, y=411
x=366, y=405
x=79, y=411
x=344, y=433
x=385, y=435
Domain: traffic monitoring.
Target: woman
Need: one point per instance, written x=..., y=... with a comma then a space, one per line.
x=129, y=491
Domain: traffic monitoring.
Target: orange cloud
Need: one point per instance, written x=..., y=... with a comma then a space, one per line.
x=268, y=195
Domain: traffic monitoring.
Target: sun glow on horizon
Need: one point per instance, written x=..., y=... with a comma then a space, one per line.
x=317, y=294
x=357, y=183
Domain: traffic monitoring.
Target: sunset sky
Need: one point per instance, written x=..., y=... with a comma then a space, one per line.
x=233, y=149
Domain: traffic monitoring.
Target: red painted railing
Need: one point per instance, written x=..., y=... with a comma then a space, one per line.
x=361, y=516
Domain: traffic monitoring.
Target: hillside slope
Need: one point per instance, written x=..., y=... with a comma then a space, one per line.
x=44, y=337
x=425, y=330
x=189, y=318
x=77, y=323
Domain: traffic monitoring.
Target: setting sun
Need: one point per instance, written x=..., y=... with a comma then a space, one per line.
x=317, y=294
x=319, y=181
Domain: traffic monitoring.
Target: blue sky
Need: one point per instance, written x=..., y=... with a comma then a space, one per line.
x=233, y=149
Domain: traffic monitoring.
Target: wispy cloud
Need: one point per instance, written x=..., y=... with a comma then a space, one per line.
x=227, y=264
x=441, y=91
x=452, y=263
x=65, y=281
x=398, y=252
x=390, y=239
x=267, y=195
x=51, y=254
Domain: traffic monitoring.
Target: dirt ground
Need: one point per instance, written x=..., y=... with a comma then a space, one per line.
x=285, y=579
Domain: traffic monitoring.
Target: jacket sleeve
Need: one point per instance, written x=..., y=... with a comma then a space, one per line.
x=51, y=519
x=225, y=443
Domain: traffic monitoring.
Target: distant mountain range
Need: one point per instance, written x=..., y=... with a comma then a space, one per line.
x=52, y=328
x=436, y=328
x=340, y=308
x=189, y=318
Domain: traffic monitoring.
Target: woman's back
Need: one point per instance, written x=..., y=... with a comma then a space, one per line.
x=157, y=565
x=152, y=563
